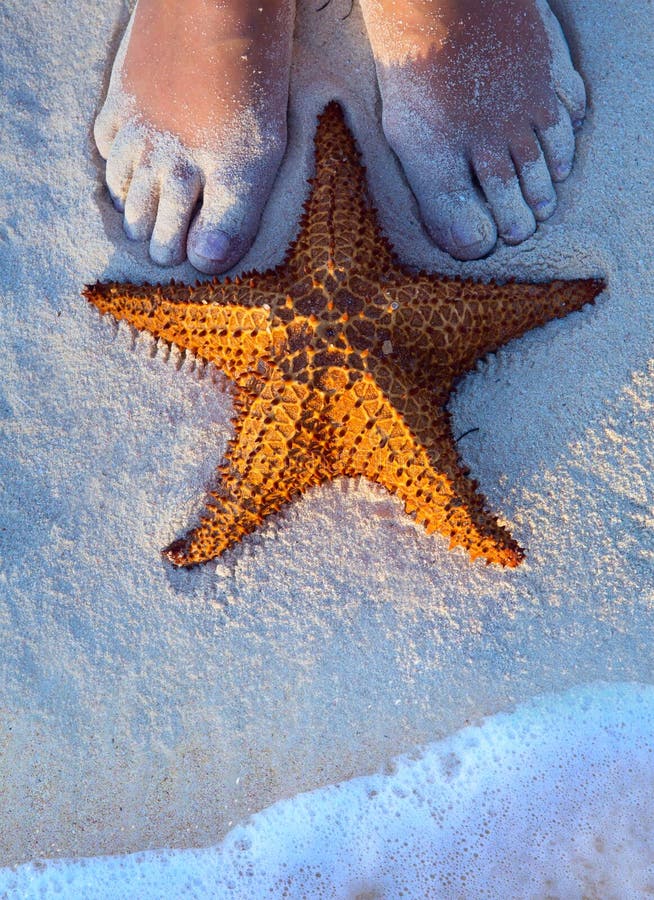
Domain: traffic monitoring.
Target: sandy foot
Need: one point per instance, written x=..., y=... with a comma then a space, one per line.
x=480, y=102
x=194, y=125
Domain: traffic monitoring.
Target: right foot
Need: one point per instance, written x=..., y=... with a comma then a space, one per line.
x=480, y=99
x=196, y=110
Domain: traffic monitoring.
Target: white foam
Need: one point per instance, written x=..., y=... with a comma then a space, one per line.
x=553, y=799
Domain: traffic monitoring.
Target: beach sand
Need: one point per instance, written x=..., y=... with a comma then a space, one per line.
x=146, y=707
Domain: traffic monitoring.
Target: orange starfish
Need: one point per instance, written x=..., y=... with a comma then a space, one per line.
x=343, y=362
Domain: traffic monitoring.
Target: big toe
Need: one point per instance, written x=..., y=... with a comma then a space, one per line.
x=450, y=206
x=459, y=223
x=210, y=249
x=226, y=225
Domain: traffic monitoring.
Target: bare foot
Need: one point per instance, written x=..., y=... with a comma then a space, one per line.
x=477, y=94
x=196, y=110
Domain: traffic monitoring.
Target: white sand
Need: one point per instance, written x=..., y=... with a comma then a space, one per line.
x=144, y=707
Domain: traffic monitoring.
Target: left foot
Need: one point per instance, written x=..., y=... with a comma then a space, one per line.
x=477, y=93
x=194, y=125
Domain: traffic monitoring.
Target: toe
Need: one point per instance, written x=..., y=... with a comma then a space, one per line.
x=226, y=225
x=141, y=203
x=179, y=193
x=515, y=220
x=558, y=143
x=534, y=176
x=450, y=207
x=123, y=155
x=572, y=93
x=567, y=81
x=105, y=129
x=537, y=188
x=499, y=182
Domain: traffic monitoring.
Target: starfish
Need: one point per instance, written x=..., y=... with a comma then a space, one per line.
x=343, y=362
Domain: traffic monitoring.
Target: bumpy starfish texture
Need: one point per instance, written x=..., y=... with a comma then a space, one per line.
x=343, y=363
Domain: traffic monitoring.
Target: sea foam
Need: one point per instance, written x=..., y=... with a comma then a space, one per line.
x=554, y=799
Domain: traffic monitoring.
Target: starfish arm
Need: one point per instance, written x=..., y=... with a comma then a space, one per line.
x=273, y=458
x=407, y=447
x=443, y=326
x=338, y=229
x=230, y=324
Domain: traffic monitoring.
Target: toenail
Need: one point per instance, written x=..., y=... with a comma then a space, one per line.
x=117, y=202
x=562, y=170
x=211, y=245
x=467, y=234
x=515, y=233
x=544, y=207
x=470, y=238
x=512, y=234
